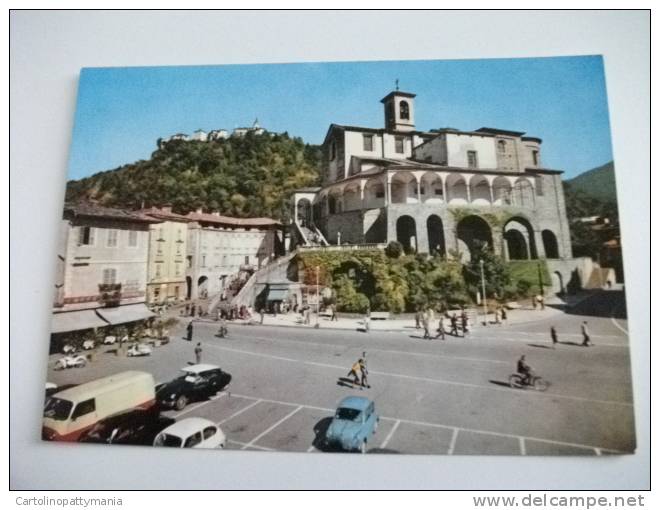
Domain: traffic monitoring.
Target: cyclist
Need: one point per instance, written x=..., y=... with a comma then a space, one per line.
x=524, y=370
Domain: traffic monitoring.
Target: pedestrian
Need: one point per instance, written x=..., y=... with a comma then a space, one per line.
x=425, y=324
x=553, y=335
x=541, y=301
x=198, y=353
x=464, y=321
x=192, y=310
x=333, y=312
x=454, y=325
x=418, y=319
x=441, y=328
x=367, y=318
x=586, y=339
x=363, y=373
x=504, y=315
x=261, y=315
x=189, y=331
x=497, y=316
x=307, y=314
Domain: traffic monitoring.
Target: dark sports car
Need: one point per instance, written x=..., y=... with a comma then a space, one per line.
x=198, y=382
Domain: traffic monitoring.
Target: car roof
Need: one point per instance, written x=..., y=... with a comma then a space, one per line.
x=196, y=369
x=360, y=403
x=187, y=426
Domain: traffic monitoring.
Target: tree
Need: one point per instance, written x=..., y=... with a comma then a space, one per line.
x=496, y=273
x=394, y=249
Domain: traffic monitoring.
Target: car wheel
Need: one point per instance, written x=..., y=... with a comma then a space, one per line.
x=363, y=447
x=181, y=402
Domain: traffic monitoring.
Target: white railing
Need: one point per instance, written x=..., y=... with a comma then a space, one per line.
x=345, y=247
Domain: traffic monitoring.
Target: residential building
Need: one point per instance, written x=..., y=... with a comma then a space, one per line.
x=102, y=268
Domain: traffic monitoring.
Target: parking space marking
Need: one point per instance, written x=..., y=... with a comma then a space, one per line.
x=246, y=445
x=521, y=441
x=429, y=379
x=272, y=427
x=452, y=443
x=241, y=411
x=200, y=404
x=389, y=436
x=436, y=425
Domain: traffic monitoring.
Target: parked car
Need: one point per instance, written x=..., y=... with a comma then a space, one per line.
x=109, y=340
x=137, y=427
x=71, y=412
x=354, y=423
x=68, y=349
x=198, y=382
x=70, y=361
x=192, y=433
x=139, y=350
x=88, y=345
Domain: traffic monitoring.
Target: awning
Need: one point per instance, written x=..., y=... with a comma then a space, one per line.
x=76, y=321
x=126, y=313
x=277, y=295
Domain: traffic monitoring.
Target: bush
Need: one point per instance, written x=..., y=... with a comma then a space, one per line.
x=394, y=249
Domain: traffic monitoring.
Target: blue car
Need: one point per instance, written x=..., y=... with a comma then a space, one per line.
x=354, y=423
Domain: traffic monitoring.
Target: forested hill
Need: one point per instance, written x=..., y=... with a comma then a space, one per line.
x=245, y=176
x=597, y=183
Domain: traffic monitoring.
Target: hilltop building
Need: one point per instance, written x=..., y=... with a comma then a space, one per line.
x=217, y=134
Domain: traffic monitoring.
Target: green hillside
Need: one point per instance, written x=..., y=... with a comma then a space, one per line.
x=597, y=183
x=245, y=176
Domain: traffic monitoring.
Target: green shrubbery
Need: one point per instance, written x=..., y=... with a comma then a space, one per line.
x=390, y=281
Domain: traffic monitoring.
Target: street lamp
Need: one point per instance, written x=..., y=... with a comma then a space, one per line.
x=483, y=291
x=318, y=268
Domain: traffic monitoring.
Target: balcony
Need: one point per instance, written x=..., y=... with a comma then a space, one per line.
x=110, y=294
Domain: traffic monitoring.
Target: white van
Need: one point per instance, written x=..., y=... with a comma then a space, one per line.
x=71, y=412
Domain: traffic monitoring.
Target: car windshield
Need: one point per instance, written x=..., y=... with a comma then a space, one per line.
x=168, y=440
x=346, y=413
x=57, y=408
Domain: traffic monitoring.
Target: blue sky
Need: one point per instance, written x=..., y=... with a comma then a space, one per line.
x=121, y=112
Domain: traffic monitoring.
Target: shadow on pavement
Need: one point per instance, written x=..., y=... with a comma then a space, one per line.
x=540, y=346
x=500, y=383
x=604, y=303
x=320, y=430
x=383, y=450
x=575, y=344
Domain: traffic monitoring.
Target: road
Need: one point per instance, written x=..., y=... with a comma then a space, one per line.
x=447, y=397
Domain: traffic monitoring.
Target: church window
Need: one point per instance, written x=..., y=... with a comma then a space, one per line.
x=368, y=142
x=535, y=157
x=501, y=146
x=404, y=110
x=472, y=159
x=398, y=144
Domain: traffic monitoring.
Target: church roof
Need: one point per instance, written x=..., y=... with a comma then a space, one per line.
x=397, y=93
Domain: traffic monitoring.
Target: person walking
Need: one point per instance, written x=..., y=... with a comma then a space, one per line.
x=189, y=331
x=364, y=372
x=367, y=318
x=454, y=325
x=497, y=316
x=441, y=328
x=541, y=301
x=425, y=323
x=586, y=339
x=418, y=319
x=261, y=315
x=333, y=312
x=198, y=353
x=464, y=324
x=553, y=335
x=503, y=315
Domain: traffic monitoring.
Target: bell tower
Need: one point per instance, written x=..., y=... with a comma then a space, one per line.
x=399, y=110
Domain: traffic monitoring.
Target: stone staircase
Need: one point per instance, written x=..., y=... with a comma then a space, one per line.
x=276, y=270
